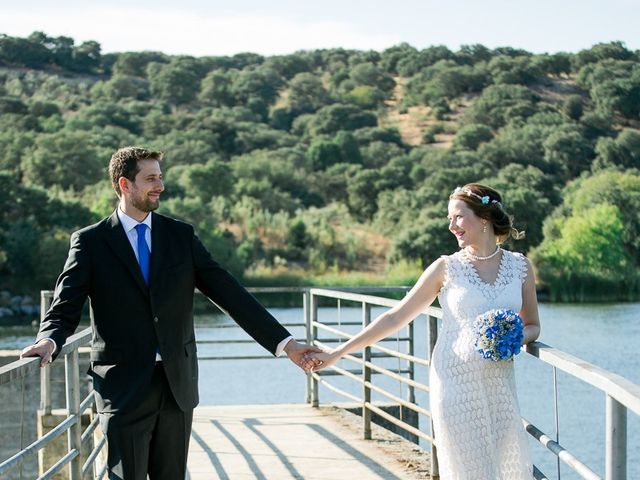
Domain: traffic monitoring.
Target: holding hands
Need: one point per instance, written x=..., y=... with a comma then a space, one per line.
x=321, y=359
x=300, y=354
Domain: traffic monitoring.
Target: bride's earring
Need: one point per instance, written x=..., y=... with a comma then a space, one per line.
x=484, y=229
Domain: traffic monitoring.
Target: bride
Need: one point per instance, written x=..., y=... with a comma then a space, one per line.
x=476, y=420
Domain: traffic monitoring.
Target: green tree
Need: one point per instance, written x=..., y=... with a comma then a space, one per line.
x=297, y=238
x=472, y=54
x=333, y=118
x=86, y=57
x=623, y=151
x=591, y=241
x=119, y=87
x=13, y=146
x=595, y=125
x=23, y=52
x=414, y=62
x=602, y=51
x=500, y=103
x=471, y=136
x=363, y=189
x=306, y=93
x=215, y=89
x=567, y=147
x=349, y=148
x=207, y=181
x=368, y=74
x=526, y=145
x=614, y=86
x=65, y=159
x=390, y=57
x=424, y=239
x=528, y=195
x=12, y=105
x=506, y=69
x=174, y=82
x=322, y=154
x=277, y=178
x=256, y=88
x=573, y=107
x=365, y=96
x=288, y=66
x=588, y=259
x=330, y=185
x=134, y=64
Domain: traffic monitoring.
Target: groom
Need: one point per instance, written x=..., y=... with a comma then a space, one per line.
x=139, y=269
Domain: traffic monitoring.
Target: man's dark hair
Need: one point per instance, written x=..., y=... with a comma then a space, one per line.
x=124, y=163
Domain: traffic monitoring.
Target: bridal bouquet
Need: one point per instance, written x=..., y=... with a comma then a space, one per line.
x=499, y=334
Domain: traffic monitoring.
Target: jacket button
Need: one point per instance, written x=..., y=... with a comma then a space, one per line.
x=155, y=319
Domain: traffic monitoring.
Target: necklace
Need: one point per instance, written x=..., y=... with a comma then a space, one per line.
x=479, y=258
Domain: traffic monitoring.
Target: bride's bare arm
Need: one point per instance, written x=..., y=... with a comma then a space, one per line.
x=419, y=297
x=529, y=311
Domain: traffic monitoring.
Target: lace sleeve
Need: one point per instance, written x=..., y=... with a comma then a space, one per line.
x=522, y=265
x=447, y=273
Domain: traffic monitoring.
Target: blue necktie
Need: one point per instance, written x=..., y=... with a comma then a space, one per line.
x=143, y=251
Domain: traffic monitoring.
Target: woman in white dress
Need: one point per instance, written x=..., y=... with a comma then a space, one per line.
x=477, y=426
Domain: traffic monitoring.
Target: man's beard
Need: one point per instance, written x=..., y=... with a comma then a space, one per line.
x=145, y=204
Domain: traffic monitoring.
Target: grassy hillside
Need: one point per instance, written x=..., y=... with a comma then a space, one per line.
x=326, y=163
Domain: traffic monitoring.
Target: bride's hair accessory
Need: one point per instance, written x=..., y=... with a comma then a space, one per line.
x=485, y=200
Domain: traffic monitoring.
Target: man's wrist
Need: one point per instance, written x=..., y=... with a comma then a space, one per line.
x=53, y=343
x=285, y=345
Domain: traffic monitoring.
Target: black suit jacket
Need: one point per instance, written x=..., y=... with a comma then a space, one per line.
x=130, y=321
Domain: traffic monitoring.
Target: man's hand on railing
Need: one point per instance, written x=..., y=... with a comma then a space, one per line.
x=43, y=349
x=297, y=353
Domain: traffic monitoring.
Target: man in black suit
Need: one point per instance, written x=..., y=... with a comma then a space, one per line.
x=139, y=270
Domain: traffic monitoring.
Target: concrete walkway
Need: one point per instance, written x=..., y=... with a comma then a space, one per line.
x=280, y=442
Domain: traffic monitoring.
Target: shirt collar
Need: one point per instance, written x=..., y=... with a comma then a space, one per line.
x=129, y=223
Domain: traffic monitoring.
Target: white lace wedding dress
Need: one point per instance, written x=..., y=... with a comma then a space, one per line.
x=478, y=431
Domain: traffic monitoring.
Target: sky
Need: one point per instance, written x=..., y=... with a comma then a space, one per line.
x=200, y=27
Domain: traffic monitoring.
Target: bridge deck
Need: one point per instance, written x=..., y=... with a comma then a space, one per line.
x=294, y=442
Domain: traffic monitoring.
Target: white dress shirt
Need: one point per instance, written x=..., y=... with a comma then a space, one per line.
x=129, y=225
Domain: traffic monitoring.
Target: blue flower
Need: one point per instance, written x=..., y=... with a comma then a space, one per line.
x=499, y=334
x=485, y=200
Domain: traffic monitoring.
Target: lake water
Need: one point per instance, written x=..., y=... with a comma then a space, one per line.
x=605, y=335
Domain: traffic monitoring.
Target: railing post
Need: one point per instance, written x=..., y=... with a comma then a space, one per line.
x=433, y=336
x=366, y=376
x=412, y=367
x=616, y=440
x=74, y=434
x=306, y=312
x=556, y=415
x=314, y=336
x=45, y=373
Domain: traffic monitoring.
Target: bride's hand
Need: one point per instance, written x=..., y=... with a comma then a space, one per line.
x=322, y=359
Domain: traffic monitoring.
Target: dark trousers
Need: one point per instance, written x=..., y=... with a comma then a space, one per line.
x=152, y=439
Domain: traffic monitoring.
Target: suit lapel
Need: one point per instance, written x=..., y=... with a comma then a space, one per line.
x=159, y=244
x=117, y=239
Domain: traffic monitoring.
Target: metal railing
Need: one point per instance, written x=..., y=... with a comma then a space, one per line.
x=80, y=466
x=75, y=407
x=621, y=395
